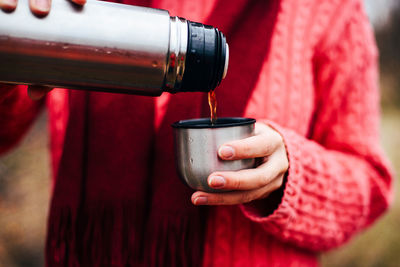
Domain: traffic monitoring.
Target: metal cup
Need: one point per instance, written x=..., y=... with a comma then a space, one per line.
x=196, y=148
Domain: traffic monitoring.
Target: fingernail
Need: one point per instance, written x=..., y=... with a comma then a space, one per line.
x=226, y=152
x=42, y=5
x=8, y=4
x=217, y=181
x=80, y=2
x=201, y=201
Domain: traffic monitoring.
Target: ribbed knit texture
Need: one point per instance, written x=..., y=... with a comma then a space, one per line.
x=306, y=68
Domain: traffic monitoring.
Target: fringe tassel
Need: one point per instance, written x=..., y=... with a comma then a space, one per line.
x=117, y=236
x=60, y=245
x=97, y=236
x=177, y=240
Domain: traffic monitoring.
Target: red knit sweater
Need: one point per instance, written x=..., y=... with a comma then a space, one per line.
x=308, y=68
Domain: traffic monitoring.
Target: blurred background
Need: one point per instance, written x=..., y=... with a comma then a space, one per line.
x=25, y=183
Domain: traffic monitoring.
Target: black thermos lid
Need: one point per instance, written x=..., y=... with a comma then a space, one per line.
x=205, y=58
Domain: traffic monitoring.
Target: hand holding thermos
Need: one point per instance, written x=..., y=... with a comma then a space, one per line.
x=137, y=50
x=39, y=8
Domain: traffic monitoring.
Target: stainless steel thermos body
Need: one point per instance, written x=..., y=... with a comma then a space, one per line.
x=110, y=47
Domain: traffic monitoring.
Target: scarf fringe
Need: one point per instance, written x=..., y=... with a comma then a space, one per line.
x=178, y=240
x=99, y=236
x=112, y=236
x=60, y=244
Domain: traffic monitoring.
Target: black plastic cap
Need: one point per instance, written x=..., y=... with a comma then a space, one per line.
x=205, y=58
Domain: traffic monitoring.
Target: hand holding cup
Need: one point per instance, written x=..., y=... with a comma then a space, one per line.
x=247, y=185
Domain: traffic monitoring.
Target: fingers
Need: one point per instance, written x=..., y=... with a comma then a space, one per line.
x=40, y=7
x=236, y=197
x=37, y=92
x=261, y=145
x=8, y=5
x=249, y=184
x=249, y=179
x=79, y=2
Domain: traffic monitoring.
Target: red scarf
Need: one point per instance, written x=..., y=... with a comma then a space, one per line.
x=117, y=199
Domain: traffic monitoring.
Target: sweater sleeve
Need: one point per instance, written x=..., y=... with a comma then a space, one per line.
x=17, y=112
x=338, y=180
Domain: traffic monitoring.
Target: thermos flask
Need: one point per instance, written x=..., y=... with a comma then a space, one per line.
x=110, y=47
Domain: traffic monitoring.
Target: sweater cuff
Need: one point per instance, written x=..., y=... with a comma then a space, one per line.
x=284, y=212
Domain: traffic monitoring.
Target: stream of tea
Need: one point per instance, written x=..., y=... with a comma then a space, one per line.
x=212, y=102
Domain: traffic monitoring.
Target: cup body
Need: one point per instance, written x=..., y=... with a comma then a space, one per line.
x=196, y=148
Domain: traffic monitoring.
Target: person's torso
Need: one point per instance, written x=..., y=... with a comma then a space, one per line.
x=124, y=142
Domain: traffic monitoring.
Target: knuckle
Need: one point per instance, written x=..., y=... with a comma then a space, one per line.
x=237, y=183
x=265, y=179
x=277, y=139
x=220, y=199
x=264, y=194
x=277, y=183
x=262, y=178
x=245, y=149
x=284, y=164
x=246, y=197
x=284, y=169
x=266, y=148
x=260, y=194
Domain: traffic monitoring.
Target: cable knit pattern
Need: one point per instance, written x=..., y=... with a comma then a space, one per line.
x=306, y=68
x=336, y=187
x=338, y=181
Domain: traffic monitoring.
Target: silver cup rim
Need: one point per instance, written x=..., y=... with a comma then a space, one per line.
x=204, y=123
